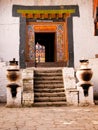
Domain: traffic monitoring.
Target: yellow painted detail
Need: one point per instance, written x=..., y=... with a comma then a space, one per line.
x=45, y=11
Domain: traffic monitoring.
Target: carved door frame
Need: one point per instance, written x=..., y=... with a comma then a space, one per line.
x=61, y=39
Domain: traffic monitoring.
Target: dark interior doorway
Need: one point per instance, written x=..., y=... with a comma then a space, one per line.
x=47, y=40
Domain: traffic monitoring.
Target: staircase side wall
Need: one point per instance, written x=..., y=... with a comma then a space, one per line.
x=72, y=94
x=28, y=84
x=69, y=78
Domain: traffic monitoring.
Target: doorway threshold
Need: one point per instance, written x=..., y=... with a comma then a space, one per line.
x=47, y=64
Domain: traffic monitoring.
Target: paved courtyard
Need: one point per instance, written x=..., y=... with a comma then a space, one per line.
x=49, y=118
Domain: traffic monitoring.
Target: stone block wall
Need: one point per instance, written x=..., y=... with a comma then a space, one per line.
x=28, y=92
x=72, y=94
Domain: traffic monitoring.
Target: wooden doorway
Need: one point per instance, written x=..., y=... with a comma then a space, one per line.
x=53, y=36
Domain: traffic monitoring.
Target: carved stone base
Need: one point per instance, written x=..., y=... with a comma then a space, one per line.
x=13, y=101
x=85, y=98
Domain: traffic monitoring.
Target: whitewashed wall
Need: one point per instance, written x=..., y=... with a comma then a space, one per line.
x=85, y=43
x=9, y=32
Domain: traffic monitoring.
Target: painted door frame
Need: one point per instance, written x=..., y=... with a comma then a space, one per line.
x=61, y=39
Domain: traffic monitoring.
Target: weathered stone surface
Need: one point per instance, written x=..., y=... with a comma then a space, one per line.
x=14, y=101
x=72, y=96
x=27, y=73
x=27, y=98
x=70, y=86
x=69, y=78
x=28, y=84
x=14, y=89
x=85, y=100
x=46, y=83
x=49, y=118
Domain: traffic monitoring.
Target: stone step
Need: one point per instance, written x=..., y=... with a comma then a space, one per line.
x=52, y=86
x=49, y=90
x=49, y=99
x=47, y=74
x=47, y=71
x=47, y=81
x=45, y=104
x=55, y=94
x=48, y=78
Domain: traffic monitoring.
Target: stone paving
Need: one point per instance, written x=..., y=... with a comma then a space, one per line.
x=49, y=118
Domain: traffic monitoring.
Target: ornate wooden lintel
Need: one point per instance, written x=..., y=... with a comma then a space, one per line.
x=42, y=14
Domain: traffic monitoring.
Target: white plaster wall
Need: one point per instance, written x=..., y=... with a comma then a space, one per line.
x=93, y=64
x=9, y=32
x=85, y=43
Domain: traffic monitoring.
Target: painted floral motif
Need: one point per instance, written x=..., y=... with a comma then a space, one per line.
x=60, y=42
x=31, y=43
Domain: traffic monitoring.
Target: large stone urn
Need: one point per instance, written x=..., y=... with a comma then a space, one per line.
x=14, y=85
x=84, y=85
x=84, y=73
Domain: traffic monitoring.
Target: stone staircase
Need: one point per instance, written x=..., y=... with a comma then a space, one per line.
x=48, y=88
